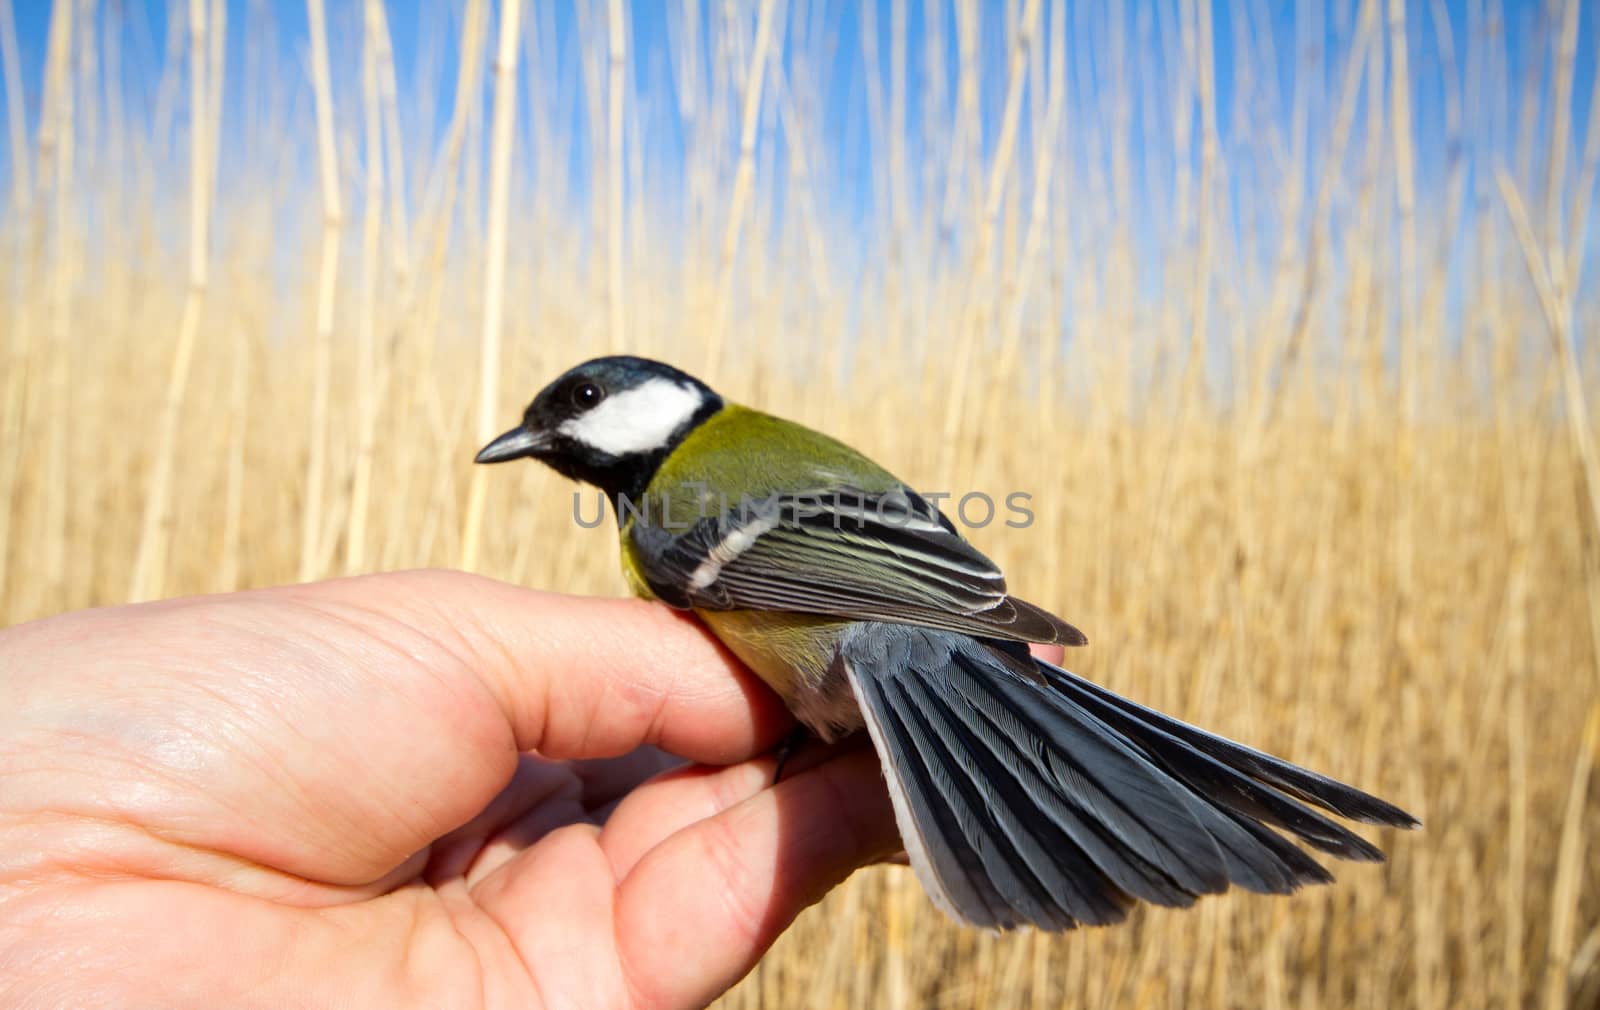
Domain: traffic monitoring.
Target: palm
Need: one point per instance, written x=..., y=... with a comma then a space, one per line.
x=473, y=917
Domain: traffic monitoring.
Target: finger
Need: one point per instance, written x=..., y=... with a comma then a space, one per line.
x=1052, y=654
x=737, y=880
x=671, y=802
x=554, y=905
x=582, y=677
x=533, y=811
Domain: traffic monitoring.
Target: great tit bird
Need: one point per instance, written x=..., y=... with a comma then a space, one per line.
x=1024, y=793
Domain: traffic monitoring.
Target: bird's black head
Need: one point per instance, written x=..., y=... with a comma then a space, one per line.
x=608, y=422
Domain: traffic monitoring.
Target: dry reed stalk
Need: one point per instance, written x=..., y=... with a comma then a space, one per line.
x=1282, y=363
x=327, y=293
x=1020, y=281
x=16, y=119
x=149, y=568
x=689, y=73
x=899, y=186
x=1183, y=98
x=437, y=225
x=1518, y=592
x=505, y=106
x=1431, y=316
x=1549, y=273
x=366, y=379
x=1369, y=352
x=1405, y=201
x=12, y=414
x=1585, y=975
x=217, y=31
x=977, y=299
x=230, y=568
x=617, y=54
x=1521, y=490
x=115, y=154
x=1566, y=45
x=1201, y=57
x=877, y=128
x=1121, y=111
x=798, y=132
x=1567, y=887
x=743, y=179
x=394, y=160
x=1427, y=957
x=401, y=317
x=934, y=124
x=592, y=54
x=1583, y=192
x=167, y=87
x=1200, y=288
x=87, y=118
x=966, y=134
x=1557, y=310
x=18, y=347
x=56, y=149
x=537, y=84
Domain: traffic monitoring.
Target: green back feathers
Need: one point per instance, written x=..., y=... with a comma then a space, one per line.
x=738, y=451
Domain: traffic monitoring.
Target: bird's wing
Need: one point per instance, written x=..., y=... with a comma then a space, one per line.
x=840, y=552
x=1025, y=794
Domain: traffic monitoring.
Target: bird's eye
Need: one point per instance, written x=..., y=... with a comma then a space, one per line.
x=586, y=395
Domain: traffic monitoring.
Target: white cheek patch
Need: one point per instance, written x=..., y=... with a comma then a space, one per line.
x=636, y=420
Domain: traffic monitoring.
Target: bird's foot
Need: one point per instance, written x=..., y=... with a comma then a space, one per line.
x=791, y=742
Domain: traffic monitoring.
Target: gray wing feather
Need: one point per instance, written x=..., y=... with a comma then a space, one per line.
x=1068, y=888
x=1240, y=773
x=841, y=553
x=1032, y=796
x=952, y=875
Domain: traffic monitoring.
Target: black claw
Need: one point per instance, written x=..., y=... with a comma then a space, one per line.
x=791, y=742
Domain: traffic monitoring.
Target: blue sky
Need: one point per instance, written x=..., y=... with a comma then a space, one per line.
x=272, y=35
x=425, y=29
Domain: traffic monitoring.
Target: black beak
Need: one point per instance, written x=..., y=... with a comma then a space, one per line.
x=514, y=444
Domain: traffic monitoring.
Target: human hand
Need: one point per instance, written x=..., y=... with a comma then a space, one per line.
x=329, y=794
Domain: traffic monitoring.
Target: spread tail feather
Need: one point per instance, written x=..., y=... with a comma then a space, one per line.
x=1027, y=795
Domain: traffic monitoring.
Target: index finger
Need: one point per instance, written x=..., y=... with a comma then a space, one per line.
x=589, y=677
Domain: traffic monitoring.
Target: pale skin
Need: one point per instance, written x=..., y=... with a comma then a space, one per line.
x=393, y=791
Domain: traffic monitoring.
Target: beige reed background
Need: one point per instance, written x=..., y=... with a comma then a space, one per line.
x=1311, y=461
